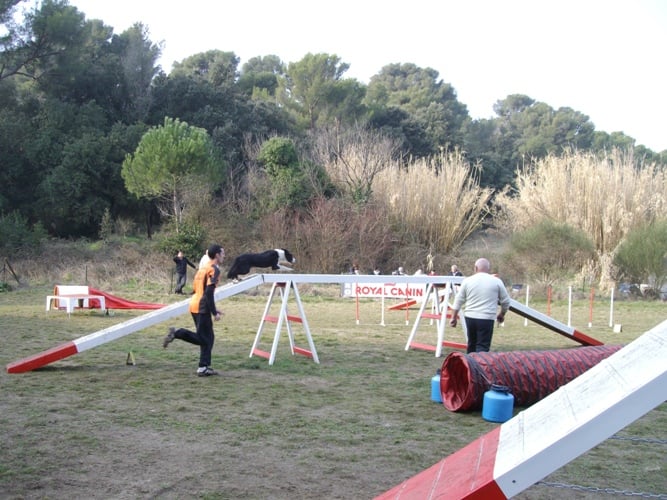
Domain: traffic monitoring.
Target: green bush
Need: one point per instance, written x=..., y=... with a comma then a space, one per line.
x=547, y=251
x=16, y=234
x=642, y=256
x=190, y=238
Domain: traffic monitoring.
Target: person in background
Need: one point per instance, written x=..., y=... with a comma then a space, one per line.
x=204, y=259
x=202, y=309
x=481, y=293
x=455, y=272
x=182, y=264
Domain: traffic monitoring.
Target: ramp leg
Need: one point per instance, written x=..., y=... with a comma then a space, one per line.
x=281, y=317
x=441, y=322
x=440, y=316
x=254, y=349
x=304, y=321
x=419, y=315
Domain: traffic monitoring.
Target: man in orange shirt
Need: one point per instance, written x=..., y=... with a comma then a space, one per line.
x=203, y=310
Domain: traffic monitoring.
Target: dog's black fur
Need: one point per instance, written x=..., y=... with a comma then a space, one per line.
x=270, y=258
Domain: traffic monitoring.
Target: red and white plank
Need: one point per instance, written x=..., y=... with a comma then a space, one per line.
x=552, y=432
x=114, y=332
x=551, y=324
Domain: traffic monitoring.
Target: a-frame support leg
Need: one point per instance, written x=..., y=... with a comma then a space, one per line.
x=440, y=321
x=283, y=316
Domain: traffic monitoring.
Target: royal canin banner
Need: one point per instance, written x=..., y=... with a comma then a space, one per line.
x=387, y=290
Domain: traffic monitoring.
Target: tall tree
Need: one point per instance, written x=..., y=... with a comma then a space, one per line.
x=311, y=85
x=218, y=68
x=47, y=31
x=138, y=59
x=170, y=162
x=260, y=76
x=431, y=103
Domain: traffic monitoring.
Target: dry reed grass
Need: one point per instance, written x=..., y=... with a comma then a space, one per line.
x=603, y=196
x=437, y=202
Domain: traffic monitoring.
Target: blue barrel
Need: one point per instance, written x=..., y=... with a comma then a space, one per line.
x=498, y=404
x=436, y=396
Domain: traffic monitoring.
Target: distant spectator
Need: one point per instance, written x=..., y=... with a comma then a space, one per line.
x=399, y=272
x=182, y=264
x=204, y=259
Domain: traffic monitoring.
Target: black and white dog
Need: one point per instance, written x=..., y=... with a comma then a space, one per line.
x=270, y=258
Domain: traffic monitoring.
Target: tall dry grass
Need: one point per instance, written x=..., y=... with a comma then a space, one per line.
x=110, y=266
x=603, y=196
x=436, y=202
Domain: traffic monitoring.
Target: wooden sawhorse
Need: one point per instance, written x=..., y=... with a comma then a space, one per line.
x=283, y=316
x=440, y=318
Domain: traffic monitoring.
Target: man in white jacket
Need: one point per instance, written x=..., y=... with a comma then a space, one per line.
x=481, y=293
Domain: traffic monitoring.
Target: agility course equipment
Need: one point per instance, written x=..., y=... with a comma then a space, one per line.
x=438, y=304
x=531, y=375
x=117, y=331
x=551, y=324
x=176, y=309
x=115, y=302
x=544, y=437
x=284, y=317
x=71, y=297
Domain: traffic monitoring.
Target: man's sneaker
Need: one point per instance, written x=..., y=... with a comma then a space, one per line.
x=169, y=338
x=206, y=372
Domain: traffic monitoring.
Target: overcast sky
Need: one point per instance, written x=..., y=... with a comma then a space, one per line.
x=604, y=58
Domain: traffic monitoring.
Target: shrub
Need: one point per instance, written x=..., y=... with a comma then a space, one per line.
x=548, y=250
x=642, y=257
x=190, y=238
x=16, y=234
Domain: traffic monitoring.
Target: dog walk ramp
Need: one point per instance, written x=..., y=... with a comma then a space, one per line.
x=551, y=324
x=283, y=288
x=125, y=328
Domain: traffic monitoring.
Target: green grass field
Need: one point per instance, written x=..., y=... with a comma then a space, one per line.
x=357, y=424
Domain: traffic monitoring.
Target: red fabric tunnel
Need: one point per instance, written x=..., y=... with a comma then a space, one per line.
x=530, y=375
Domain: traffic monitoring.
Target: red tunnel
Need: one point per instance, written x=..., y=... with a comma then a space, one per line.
x=530, y=375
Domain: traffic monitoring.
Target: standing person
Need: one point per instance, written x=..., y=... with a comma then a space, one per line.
x=182, y=264
x=481, y=293
x=202, y=309
x=204, y=259
x=455, y=272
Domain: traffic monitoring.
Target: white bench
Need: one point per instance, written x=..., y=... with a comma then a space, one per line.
x=70, y=297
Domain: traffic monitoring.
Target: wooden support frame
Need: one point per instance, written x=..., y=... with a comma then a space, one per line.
x=283, y=317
